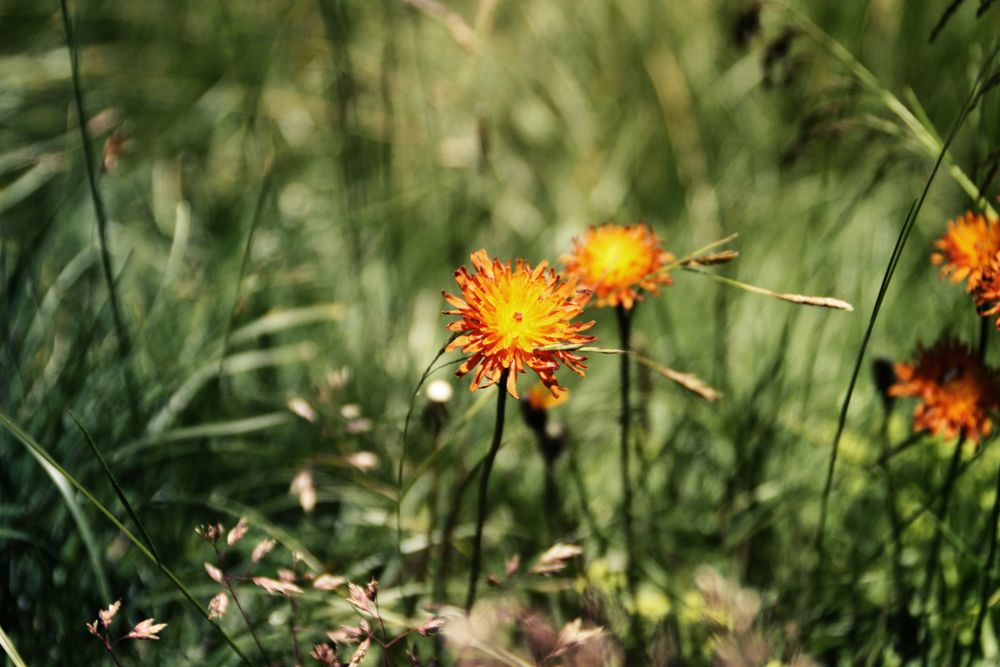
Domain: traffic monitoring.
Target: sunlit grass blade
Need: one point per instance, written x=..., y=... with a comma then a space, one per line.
x=800, y=299
x=8, y=647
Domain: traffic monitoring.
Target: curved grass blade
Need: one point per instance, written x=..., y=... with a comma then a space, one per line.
x=59, y=479
x=118, y=489
x=897, y=251
x=42, y=455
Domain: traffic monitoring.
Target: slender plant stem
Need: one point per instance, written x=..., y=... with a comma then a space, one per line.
x=986, y=587
x=625, y=336
x=292, y=620
x=935, y=549
x=111, y=652
x=124, y=345
x=551, y=506
x=484, y=481
x=246, y=618
x=894, y=519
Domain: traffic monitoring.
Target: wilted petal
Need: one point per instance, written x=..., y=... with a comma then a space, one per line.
x=238, y=531
x=262, y=549
x=359, y=653
x=276, y=587
x=146, y=629
x=328, y=582
x=218, y=606
x=554, y=559
x=359, y=598
x=108, y=615
x=214, y=573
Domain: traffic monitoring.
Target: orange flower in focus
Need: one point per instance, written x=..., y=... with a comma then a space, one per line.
x=508, y=316
x=957, y=392
x=968, y=249
x=616, y=261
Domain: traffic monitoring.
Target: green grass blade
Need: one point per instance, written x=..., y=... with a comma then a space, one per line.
x=42, y=455
x=118, y=489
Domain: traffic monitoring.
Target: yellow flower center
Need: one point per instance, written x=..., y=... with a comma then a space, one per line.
x=613, y=256
x=521, y=315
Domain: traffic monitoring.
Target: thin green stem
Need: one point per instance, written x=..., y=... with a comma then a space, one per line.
x=934, y=552
x=246, y=617
x=484, y=481
x=986, y=578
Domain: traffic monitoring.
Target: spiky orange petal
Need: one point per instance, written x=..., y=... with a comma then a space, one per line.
x=957, y=392
x=968, y=249
x=509, y=315
x=618, y=263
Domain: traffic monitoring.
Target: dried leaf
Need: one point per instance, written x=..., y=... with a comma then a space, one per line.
x=146, y=629
x=262, y=549
x=686, y=380
x=328, y=582
x=358, y=598
x=325, y=655
x=218, y=606
x=431, y=626
x=238, y=531
x=276, y=587
x=554, y=559
x=359, y=653
x=108, y=615
x=302, y=408
x=363, y=461
x=573, y=635
x=214, y=573
x=302, y=486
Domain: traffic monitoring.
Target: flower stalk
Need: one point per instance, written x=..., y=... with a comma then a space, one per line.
x=484, y=481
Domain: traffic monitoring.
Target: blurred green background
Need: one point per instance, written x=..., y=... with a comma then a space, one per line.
x=297, y=182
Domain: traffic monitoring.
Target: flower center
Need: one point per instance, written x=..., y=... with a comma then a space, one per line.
x=617, y=259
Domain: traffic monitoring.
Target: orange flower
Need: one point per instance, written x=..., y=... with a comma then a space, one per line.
x=509, y=315
x=968, y=249
x=957, y=392
x=616, y=261
x=541, y=399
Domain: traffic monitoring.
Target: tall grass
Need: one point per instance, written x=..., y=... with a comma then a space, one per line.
x=297, y=183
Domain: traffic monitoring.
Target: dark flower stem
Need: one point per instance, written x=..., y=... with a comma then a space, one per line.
x=484, y=481
x=935, y=549
x=625, y=336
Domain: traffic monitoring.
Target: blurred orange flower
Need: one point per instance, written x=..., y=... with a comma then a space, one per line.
x=968, y=249
x=957, y=392
x=509, y=315
x=617, y=261
x=541, y=399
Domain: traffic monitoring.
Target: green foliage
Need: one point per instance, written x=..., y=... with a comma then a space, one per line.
x=297, y=183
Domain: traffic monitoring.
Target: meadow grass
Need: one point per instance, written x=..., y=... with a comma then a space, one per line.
x=224, y=233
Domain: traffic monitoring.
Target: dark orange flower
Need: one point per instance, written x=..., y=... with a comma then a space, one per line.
x=957, y=392
x=617, y=261
x=510, y=315
x=968, y=249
